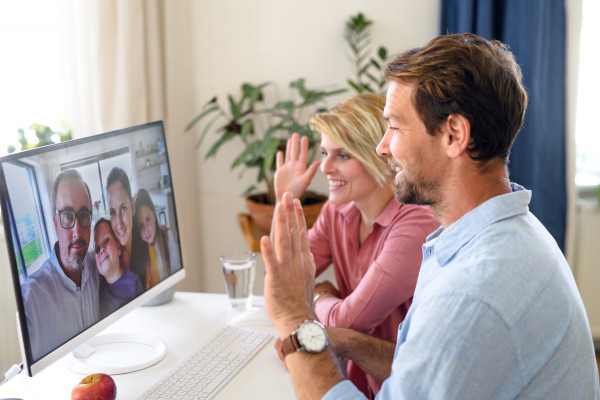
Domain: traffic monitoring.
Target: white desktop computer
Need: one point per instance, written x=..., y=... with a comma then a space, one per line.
x=92, y=233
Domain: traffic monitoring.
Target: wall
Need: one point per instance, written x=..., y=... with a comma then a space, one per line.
x=236, y=41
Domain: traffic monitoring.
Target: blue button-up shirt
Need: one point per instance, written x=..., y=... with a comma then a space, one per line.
x=496, y=315
x=55, y=308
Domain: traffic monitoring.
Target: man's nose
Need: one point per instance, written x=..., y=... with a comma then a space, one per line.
x=383, y=148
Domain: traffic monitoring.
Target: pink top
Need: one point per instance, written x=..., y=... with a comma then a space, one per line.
x=376, y=280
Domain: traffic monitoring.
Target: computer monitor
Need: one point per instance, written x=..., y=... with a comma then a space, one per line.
x=92, y=234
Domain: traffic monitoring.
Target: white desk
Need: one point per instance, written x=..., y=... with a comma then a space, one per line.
x=182, y=324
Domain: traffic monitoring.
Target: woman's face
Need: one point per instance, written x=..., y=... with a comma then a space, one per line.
x=147, y=224
x=348, y=179
x=107, y=251
x=121, y=213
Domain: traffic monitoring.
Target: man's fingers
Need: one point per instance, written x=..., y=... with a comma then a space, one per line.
x=279, y=159
x=269, y=256
x=277, y=346
x=288, y=200
x=303, y=230
x=281, y=236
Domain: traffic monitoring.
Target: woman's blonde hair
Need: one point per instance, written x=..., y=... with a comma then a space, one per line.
x=358, y=126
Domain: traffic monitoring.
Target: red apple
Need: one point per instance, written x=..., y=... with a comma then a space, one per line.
x=95, y=387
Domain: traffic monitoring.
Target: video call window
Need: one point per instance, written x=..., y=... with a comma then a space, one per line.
x=30, y=239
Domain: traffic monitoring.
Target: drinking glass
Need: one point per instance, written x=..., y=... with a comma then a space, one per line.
x=239, y=269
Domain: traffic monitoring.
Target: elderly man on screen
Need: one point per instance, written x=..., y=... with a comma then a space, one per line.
x=496, y=312
x=61, y=298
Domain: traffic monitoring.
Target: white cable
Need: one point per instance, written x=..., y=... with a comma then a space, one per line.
x=12, y=372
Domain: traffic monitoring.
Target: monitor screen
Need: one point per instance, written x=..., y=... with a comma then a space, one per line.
x=93, y=227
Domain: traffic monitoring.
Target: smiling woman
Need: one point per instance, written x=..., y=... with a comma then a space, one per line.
x=372, y=240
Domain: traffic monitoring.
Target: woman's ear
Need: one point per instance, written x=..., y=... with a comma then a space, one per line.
x=458, y=131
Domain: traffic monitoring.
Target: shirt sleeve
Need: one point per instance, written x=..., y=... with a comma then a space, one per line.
x=452, y=347
x=389, y=281
x=318, y=237
x=344, y=390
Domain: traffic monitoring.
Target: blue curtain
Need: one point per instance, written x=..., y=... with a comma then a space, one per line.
x=535, y=32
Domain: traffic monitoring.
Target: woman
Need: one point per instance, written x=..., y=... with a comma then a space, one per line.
x=163, y=249
x=373, y=241
x=134, y=252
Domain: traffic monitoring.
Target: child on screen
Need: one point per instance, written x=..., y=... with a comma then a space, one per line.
x=117, y=285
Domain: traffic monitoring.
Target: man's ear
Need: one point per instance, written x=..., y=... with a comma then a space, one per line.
x=458, y=131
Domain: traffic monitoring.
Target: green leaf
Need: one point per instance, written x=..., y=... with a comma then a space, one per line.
x=375, y=64
x=299, y=84
x=225, y=138
x=270, y=152
x=242, y=157
x=199, y=117
x=261, y=175
x=247, y=128
x=371, y=77
x=265, y=142
x=249, y=190
x=236, y=110
x=355, y=86
x=284, y=104
x=205, y=130
x=313, y=96
x=382, y=53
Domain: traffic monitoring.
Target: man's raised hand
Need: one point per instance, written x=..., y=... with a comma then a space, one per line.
x=290, y=278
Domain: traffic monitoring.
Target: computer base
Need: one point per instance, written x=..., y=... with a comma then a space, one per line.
x=115, y=354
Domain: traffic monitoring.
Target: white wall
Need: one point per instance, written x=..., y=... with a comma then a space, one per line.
x=237, y=41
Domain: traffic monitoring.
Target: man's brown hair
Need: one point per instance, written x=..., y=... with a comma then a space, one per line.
x=468, y=75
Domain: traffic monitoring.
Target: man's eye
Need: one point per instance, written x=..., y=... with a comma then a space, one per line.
x=123, y=209
x=112, y=213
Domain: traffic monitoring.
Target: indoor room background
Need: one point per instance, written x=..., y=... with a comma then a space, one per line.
x=124, y=63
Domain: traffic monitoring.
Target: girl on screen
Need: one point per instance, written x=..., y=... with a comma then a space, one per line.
x=134, y=251
x=163, y=249
x=118, y=286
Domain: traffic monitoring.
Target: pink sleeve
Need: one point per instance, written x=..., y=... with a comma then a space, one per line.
x=318, y=236
x=390, y=280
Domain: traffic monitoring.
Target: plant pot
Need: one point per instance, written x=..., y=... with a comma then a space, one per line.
x=262, y=213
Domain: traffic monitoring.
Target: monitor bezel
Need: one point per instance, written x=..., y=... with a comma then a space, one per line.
x=31, y=367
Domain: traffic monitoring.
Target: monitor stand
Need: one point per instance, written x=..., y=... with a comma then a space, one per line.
x=115, y=354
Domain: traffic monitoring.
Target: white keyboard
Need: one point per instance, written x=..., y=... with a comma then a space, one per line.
x=206, y=371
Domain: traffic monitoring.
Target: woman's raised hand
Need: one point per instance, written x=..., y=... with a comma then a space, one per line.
x=292, y=175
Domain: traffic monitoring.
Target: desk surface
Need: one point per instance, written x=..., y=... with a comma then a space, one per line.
x=183, y=325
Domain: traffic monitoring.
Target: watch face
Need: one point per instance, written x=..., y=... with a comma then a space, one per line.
x=312, y=336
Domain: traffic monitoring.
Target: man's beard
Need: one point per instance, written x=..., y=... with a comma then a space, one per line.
x=408, y=192
x=74, y=261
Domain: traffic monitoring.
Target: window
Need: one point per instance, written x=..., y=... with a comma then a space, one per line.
x=31, y=71
x=587, y=135
x=30, y=238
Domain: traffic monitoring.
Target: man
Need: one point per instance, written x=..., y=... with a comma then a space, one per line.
x=61, y=298
x=496, y=312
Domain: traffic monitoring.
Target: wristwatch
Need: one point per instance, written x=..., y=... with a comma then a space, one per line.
x=310, y=337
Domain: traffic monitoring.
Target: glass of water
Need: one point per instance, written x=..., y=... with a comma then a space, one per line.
x=239, y=269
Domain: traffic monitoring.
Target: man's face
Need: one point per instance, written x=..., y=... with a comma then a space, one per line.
x=411, y=149
x=73, y=243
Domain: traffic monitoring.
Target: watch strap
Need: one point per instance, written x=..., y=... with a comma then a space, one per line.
x=290, y=345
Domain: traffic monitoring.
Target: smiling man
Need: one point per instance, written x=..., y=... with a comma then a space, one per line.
x=61, y=298
x=496, y=313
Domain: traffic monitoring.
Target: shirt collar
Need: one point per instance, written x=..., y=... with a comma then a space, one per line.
x=349, y=211
x=65, y=279
x=449, y=241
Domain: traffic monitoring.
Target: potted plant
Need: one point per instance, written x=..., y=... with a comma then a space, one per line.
x=264, y=130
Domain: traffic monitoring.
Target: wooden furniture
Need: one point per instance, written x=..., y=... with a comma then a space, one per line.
x=252, y=233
